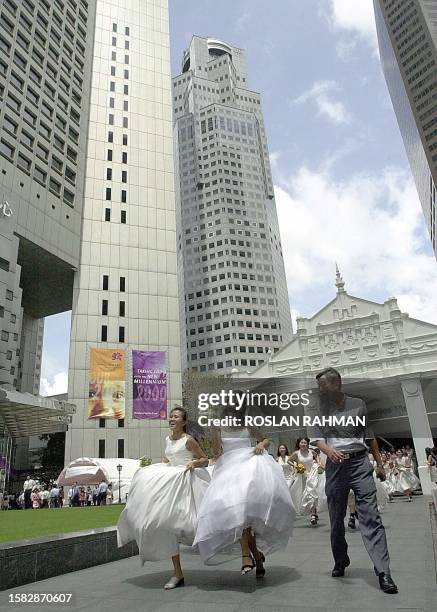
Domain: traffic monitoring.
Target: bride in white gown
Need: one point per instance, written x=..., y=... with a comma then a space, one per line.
x=247, y=501
x=161, y=510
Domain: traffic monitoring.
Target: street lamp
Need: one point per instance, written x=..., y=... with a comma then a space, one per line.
x=119, y=468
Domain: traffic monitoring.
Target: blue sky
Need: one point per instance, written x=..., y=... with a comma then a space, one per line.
x=344, y=190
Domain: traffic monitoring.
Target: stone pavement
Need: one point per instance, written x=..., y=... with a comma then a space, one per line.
x=297, y=579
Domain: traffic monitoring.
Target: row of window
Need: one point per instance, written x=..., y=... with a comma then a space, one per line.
x=120, y=449
x=228, y=364
x=104, y=333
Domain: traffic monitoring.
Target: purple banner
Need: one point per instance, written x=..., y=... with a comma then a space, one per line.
x=149, y=385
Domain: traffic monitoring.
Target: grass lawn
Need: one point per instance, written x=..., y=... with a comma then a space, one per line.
x=27, y=524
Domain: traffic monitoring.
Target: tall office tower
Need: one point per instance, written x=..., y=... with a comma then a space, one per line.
x=125, y=292
x=235, y=308
x=407, y=37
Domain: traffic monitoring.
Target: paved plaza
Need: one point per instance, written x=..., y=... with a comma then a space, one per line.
x=297, y=579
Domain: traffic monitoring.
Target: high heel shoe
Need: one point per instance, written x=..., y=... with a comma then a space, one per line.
x=246, y=567
x=174, y=582
x=260, y=569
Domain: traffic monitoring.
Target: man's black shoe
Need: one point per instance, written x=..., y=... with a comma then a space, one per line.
x=338, y=570
x=386, y=583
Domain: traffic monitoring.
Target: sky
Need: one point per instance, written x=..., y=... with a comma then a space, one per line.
x=343, y=186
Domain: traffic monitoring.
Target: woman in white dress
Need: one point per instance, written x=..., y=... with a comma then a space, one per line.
x=405, y=480
x=247, y=501
x=382, y=490
x=286, y=464
x=305, y=489
x=161, y=510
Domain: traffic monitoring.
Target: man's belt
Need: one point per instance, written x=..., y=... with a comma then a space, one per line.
x=354, y=454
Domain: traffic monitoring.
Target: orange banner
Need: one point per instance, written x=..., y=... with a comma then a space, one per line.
x=107, y=384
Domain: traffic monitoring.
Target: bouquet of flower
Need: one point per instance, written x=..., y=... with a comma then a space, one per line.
x=300, y=468
x=144, y=462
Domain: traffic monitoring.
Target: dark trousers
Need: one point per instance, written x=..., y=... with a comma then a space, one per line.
x=355, y=473
x=27, y=500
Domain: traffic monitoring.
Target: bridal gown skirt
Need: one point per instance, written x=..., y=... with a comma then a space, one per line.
x=308, y=491
x=405, y=480
x=161, y=510
x=246, y=490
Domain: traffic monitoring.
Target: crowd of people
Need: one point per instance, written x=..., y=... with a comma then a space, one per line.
x=36, y=495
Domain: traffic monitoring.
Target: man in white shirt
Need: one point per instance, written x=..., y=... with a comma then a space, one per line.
x=29, y=483
x=348, y=467
x=103, y=490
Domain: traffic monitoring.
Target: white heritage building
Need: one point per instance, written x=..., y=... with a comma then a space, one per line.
x=383, y=355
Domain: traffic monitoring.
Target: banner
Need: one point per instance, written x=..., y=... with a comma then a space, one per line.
x=149, y=385
x=107, y=384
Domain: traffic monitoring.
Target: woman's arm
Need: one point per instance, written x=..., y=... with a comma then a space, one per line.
x=262, y=442
x=201, y=460
x=216, y=442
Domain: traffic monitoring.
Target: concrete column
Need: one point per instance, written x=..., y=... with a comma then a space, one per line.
x=420, y=428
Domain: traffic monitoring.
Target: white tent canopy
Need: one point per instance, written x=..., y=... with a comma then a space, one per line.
x=90, y=471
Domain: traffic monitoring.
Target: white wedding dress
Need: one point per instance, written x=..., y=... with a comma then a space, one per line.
x=308, y=489
x=246, y=490
x=161, y=510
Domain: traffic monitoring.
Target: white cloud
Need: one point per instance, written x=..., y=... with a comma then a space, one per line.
x=372, y=225
x=322, y=93
x=356, y=20
x=58, y=384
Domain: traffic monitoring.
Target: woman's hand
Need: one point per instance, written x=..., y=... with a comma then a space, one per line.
x=191, y=466
x=260, y=448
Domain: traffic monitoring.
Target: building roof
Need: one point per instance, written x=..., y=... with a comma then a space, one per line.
x=25, y=414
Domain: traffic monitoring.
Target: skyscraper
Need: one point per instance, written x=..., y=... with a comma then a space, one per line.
x=235, y=306
x=407, y=37
x=87, y=213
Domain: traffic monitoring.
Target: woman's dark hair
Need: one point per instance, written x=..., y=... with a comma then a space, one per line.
x=184, y=413
x=299, y=440
x=287, y=452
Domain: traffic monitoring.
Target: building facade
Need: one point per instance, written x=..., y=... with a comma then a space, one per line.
x=234, y=299
x=407, y=37
x=383, y=356
x=125, y=293
x=87, y=210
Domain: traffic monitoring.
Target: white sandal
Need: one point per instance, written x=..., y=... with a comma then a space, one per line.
x=174, y=582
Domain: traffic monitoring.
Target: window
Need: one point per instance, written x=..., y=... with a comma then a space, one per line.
x=122, y=309
x=70, y=175
x=114, y=41
x=107, y=214
x=126, y=45
x=123, y=216
x=125, y=143
x=112, y=86
x=104, y=335
x=108, y=193
x=126, y=59
x=126, y=31
x=55, y=187
x=108, y=174
x=121, y=334
x=125, y=105
x=120, y=448
x=112, y=70
x=45, y=131
x=102, y=423
x=114, y=27
x=111, y=119
x=101, y=449
x=105, y=282
x=121, y=422
x=110, y=136
x=104, y=307
x=123, y=196
x=10, y=125
x=126, y=74
x=57, y=164
x=24, y=163
x=42, y=152
x=124, y=157
x=68, y=197
x=126, y=90
x=125, y=122
x=109, y=156
x=124, y=176
x=6, y=149
x=39, y=175
x=122, y=284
